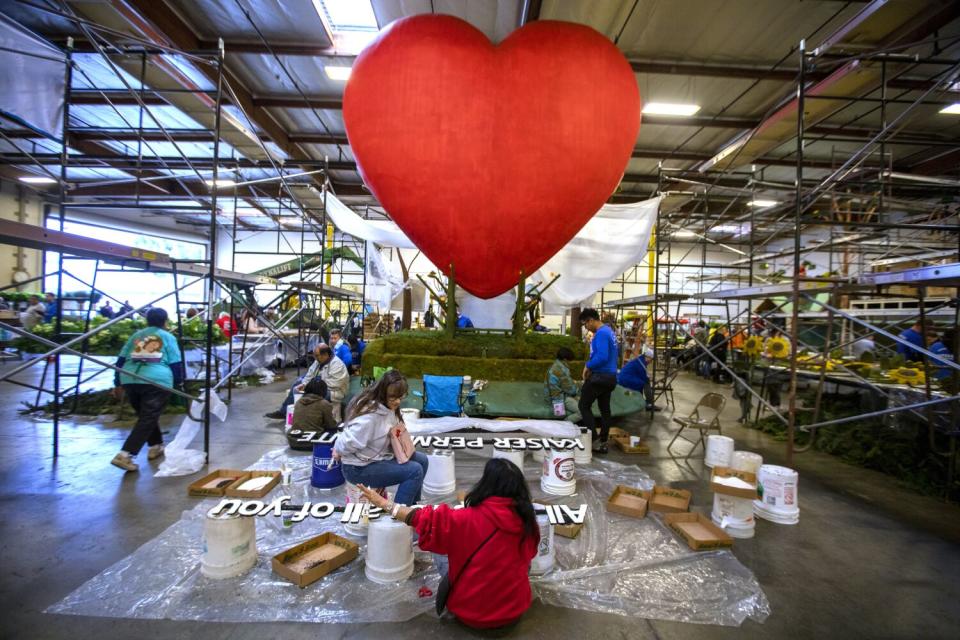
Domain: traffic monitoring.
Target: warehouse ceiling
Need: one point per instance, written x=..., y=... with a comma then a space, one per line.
x=735, y=59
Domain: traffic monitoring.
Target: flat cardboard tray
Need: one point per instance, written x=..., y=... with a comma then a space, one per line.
x=666, y=500
x=568, y=530
x=736, y=492
x=198, y=488
x=628, y=501
x=234, y=491
x=698, y=531
x=309, y=561
x=624, y=443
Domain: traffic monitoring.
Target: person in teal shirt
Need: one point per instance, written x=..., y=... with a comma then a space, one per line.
x=561, y=390
x=153, y=355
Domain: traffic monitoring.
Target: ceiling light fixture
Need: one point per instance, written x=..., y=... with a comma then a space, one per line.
x=759, y=202
x=953, y=109
x=684, y=234
x=335, y=72
x=37, y=180
x=670, y=109
x=221, y=183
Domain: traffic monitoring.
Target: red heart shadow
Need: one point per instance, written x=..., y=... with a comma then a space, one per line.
x=491, y=158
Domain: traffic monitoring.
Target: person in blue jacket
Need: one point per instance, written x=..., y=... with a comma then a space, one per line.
x=913, y=335
x=599, y=377
x=943, y=348
x=153, y=355
x=463, y=322
x=634, y=376
x=341, y=348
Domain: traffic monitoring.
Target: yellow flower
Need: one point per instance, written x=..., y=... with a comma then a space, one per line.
x=753, y=346
x=778, y=348
x=906, y=375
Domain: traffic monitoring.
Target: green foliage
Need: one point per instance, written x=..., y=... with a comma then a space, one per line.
x=485, y=356
x=110, y=340
x=901, y=450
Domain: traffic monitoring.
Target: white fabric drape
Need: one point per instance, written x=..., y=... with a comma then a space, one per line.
x=383, y=232
x=612, y=241
x=384, y=280
x=615, y=239
x=31, y=86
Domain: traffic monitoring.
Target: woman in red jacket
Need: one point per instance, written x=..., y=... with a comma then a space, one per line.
x=498, y=523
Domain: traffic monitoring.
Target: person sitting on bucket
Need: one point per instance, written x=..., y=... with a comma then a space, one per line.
x=313, y=412
x=484, y=549
x=365, y=448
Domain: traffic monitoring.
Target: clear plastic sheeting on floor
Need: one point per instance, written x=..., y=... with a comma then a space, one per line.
x=617, y=565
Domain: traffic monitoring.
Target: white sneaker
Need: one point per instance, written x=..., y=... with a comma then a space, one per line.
x=154, y=452
x=125, y=462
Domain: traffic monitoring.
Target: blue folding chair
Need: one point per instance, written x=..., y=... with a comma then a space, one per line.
x=442, y=395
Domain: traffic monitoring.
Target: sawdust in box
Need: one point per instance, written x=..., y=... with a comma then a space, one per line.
x=309, y=561
x=215, y=484
x=698, y=531
x=568, y=530
x=256, y=485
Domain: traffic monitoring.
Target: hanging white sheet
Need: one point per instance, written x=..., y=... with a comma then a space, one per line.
x=383, y=232
x=616, y=238
x=384, y=280
x=31, y=82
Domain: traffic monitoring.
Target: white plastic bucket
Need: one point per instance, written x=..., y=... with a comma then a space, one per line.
x=719, y=451
x=538, y=455
x=229, y=545
x=546, y=552
x=389, y=551
x=441, y=478
x=779, y=501
x=559, y=468
x=733, y=515
x=410, y=414
x=746, y=461
x=585, y=456
x=513, y=455
x=354, y=495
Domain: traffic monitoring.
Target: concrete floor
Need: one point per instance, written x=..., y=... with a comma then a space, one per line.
x=868, y=560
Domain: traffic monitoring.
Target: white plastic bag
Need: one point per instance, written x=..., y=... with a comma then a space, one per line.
x=178, y=460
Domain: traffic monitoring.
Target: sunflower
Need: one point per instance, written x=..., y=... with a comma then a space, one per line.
x=906, y=375
x=778, y=347
x=752, y=346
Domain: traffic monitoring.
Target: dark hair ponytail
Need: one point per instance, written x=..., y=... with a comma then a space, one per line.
x=503, y=479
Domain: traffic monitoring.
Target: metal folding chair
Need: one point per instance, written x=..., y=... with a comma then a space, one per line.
x=704, y=417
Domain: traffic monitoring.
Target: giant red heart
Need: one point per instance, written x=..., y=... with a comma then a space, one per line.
x=491, y=158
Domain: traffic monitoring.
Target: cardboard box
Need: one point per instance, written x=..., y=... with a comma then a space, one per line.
x=568, y=530
x=628, y=501
x=698, y=530
x=622, y=439
x=667, y=500
x=234, y=491
x=736, y=492
x=199, y=489
x=309, y=561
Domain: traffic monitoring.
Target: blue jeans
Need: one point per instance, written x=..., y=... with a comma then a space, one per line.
x=386, y=473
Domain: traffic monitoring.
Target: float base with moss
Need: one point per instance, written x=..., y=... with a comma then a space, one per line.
x=514, y=368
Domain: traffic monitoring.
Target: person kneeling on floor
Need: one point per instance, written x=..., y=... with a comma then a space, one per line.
x=151, y=353
x=484, y=550
x=634, y=376
x=365, y=446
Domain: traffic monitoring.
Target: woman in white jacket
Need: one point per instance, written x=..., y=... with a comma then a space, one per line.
x=364, y=446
